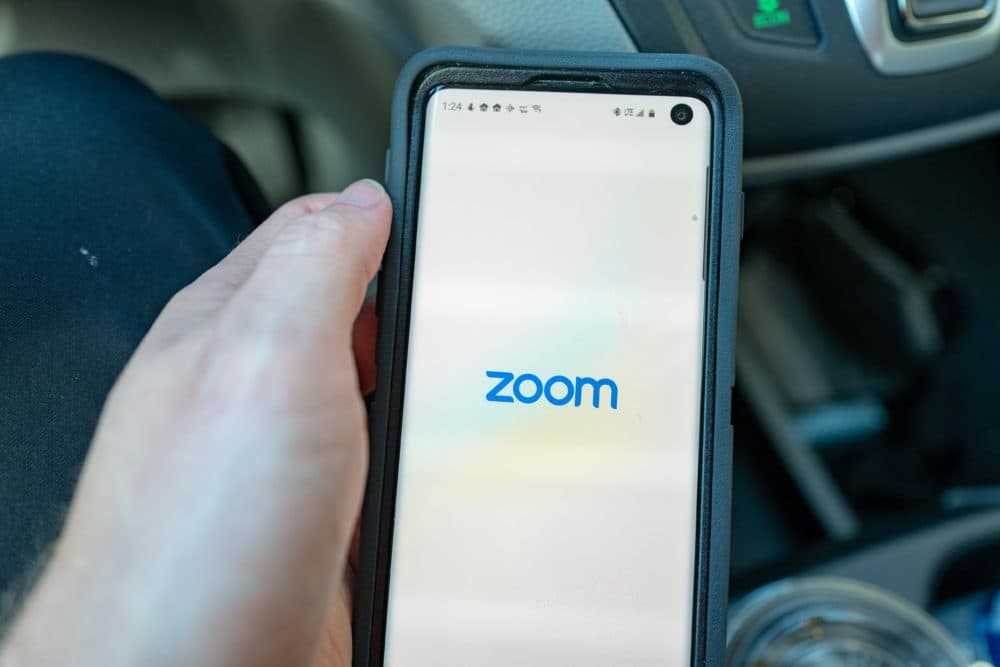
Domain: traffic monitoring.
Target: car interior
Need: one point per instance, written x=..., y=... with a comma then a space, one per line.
x=867, y=442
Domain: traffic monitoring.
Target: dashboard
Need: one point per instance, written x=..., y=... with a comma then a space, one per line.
x=833, y=83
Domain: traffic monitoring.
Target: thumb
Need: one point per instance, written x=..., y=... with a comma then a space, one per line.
x=311, y=281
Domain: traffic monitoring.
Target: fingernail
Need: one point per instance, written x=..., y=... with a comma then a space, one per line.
x=365, y=192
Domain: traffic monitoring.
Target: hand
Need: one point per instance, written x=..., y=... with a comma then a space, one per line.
x=214, y=514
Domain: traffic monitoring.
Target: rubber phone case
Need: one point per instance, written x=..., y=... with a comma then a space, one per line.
x=544, y=70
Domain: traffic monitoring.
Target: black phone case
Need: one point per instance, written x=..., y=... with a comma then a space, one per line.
x=494, y=68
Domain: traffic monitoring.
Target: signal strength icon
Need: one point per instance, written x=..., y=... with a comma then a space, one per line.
x=641, y=113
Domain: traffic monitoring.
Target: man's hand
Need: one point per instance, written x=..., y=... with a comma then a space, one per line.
x=214, y=514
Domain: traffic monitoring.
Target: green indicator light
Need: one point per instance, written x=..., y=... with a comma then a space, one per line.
x=770, y=15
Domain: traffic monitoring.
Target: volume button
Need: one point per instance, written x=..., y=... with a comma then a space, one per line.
x=706, y=223
x=743, y=206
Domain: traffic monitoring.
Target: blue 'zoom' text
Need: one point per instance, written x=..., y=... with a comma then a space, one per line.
x=557, y=390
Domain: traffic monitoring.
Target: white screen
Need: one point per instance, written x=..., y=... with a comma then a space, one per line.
x=555, y=237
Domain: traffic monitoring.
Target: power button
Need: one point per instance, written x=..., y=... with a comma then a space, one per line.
x=781, y=21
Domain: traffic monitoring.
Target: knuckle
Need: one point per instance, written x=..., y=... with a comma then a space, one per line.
x=179, y=301
x=251, y=374
x=305, y=204
x=323, y=233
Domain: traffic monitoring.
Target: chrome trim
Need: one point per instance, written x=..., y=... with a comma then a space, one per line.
x=893, y=57
x=944, y=21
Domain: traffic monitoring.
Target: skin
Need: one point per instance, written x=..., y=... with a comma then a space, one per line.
x=216, y=509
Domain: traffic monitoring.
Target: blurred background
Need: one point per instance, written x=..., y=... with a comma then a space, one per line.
x=867, y=431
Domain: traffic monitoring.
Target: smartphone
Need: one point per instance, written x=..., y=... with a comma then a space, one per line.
x=549, y=479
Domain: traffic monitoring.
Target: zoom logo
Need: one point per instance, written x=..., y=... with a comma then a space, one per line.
x=557, y=390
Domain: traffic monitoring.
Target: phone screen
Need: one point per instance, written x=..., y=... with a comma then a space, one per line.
x=547, y=482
